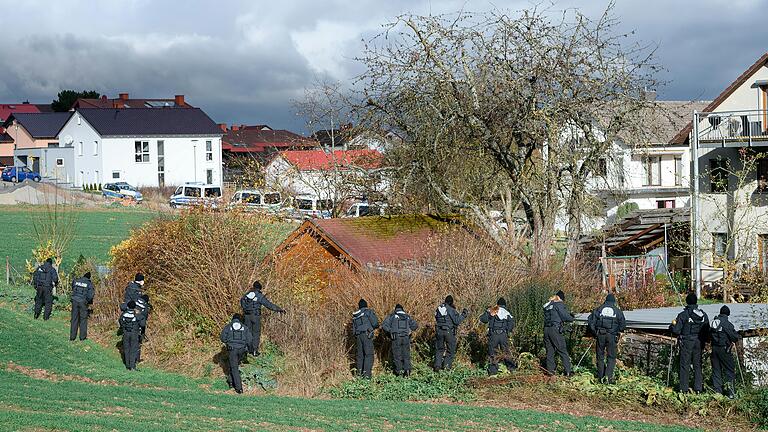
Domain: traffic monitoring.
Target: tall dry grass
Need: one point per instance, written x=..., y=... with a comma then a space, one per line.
x=198, y=266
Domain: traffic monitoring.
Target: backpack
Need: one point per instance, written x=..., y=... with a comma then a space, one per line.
x=607, y=319
x=42, y=277
x=360, y=322
x=441, y=318
x=401, y=325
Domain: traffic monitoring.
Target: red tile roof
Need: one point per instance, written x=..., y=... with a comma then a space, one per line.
x=378, y=241
x=311, y=160
x=7, y=109
x=683, y=136
x=256, y=139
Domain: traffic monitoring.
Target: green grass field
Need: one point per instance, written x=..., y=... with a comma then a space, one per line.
x=48, y=383
x=96, y=230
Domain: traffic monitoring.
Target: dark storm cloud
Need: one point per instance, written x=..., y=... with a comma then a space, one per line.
x=245, y=62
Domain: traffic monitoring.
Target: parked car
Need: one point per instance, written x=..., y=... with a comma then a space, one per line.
x=121, y=190
x=257, y=200
x=196, y=194
x=19, y=174
x=365, y=209
x=308, y=206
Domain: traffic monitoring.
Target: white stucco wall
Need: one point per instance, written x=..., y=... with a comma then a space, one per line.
x=185, y=157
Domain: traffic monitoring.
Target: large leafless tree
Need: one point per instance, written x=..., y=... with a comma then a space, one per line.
x=509, y=112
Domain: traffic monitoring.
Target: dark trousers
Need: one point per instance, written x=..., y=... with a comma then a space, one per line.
x=723, y=361
x=130, y=348
x=78, y=320
x=253, y=322
x=606, y=349
x=401, y=354
x=44, y=296
x=498, y=342
x=236, y=355
x=445, y=348
x=364, y=358
x=141, y=341
x=690, y=354
x=554, y=342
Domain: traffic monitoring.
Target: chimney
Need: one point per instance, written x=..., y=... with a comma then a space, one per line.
x=124, y=96
x=118, y=103
x=179, y=99
x=223, y=127
x=235, y=128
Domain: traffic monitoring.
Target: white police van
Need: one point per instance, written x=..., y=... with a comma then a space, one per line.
x=193, y=194
x=256, y=200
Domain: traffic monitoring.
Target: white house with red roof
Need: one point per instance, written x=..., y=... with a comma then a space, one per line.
x=339, y=175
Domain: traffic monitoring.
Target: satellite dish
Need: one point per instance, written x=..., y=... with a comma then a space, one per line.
x=68, y=140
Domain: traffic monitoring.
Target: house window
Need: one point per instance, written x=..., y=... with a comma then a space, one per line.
x=209, y=176
x=59, y=162
x=719, y=246
x=142, y=151
x=115, y=174
x=209, y=151
x=80, y=148
x=665, y=204
x=652, y=166
x=762, y=174
x=762, y=252
x=95, y=148
x=161, y=163
x=718, y=176
x=602, y=167
x=678, y=171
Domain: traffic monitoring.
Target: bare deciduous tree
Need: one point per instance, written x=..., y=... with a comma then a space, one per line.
x=505, y=110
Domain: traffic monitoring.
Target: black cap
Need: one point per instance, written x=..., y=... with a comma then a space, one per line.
x=49, y=260
x=87, y=275
x=145, y=297
x=131, y=304
x=237, y=317
x=362, y=304
x=449, y=300
x=691, y=299
x=398, y=307
x=560, y=294
x=139, y=277
x=257, y=286
x=501, y=301
x=610, y=298
x=725, y=310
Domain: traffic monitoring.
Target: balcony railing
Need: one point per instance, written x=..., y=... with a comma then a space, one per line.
x=734, y=127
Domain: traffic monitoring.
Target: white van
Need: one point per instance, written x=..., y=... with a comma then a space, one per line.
x=361, y=209
x=257, y=200
x=309, y=206
x=196, y=194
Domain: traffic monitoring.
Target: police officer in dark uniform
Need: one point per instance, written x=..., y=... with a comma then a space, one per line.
x=724, y=337
x=555, y=317
x=130, y=325
x=44, y=279
x=237, y=337
x=400, y=325
x=446, y=322
x=606, y=323
x=133, y=290
x=500, y=325
x=364, y=322
x=143, y=306
x=691, y=327
x=82, y=296
x=251, y=303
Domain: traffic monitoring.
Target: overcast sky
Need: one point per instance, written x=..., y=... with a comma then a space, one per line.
x=245, y=61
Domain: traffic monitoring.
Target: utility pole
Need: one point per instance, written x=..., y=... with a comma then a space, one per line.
x=695, y=208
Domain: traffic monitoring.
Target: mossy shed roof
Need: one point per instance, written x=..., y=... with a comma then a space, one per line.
x=378, y=241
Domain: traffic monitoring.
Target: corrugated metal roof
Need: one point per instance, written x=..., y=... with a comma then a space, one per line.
x=744, y=316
